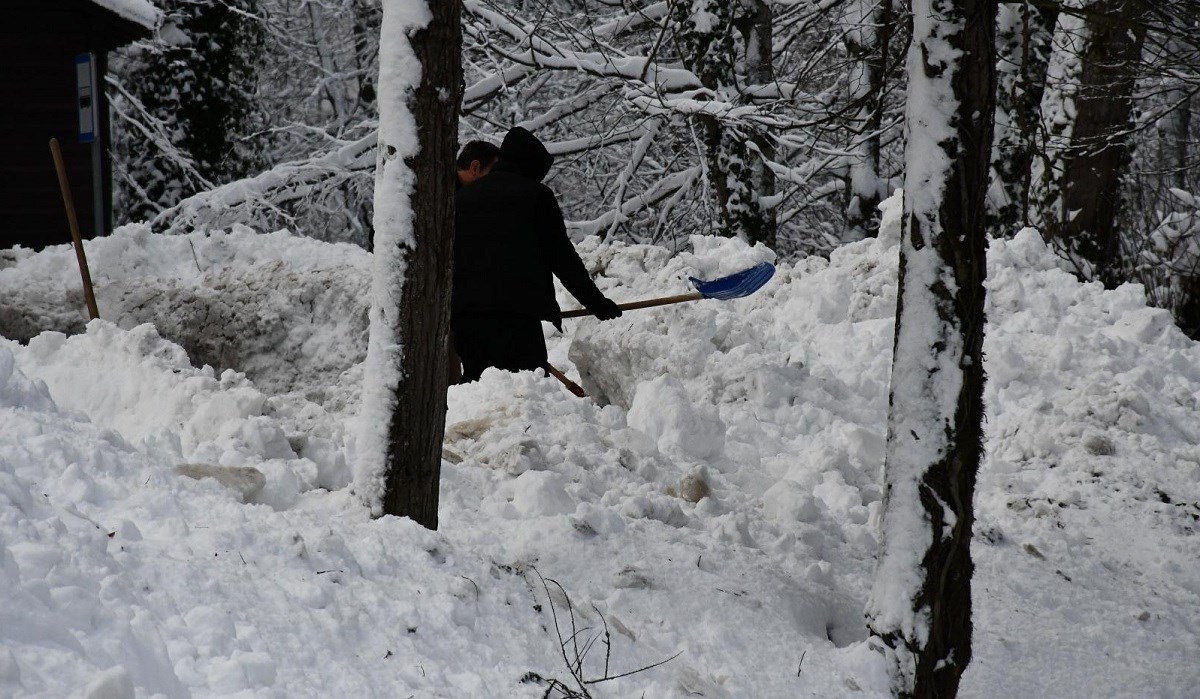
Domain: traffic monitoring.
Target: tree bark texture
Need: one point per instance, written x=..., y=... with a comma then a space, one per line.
x=920, y=607
x=871, y=24
x=757, y=27
x=1023, y=54
x=1179, y=127
x=708, y=49
x=1098, y=155
x=413, y=461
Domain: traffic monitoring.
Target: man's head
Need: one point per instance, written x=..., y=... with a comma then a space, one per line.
x=476, y=160
x=523, y=153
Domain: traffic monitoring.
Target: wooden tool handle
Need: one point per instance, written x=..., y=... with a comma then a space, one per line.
x=68, y=201
x=571, y=385
x=634, y=305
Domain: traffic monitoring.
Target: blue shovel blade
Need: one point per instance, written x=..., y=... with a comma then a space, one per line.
x=737, y=285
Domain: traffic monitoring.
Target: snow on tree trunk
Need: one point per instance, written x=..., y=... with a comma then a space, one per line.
x=404, y=392
x=920, y=604
x=757, y=26
x=869, y=26
x=706, y=37
x=1058, y=115
x=1088, y=121
x=1023, y=35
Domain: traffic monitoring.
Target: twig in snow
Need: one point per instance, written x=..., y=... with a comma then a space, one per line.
x=576, y=665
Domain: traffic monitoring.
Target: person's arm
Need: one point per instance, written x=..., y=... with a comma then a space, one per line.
x=564, y=260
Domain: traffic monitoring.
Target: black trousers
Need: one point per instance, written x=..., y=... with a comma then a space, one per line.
x=504, y=341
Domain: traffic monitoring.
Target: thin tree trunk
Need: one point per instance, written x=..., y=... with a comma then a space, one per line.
x=920, y=606
x=364, y=17
x=1178, y=132
x=708, y=50
x=868, y=41
x=1024, y=39
x=758, y=34
x=333, y=88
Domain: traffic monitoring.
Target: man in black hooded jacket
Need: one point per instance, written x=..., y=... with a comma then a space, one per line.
x=509, y=238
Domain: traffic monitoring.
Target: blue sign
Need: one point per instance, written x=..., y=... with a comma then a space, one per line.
x=85, y=78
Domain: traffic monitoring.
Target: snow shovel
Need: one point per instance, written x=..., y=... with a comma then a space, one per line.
x=735, y=286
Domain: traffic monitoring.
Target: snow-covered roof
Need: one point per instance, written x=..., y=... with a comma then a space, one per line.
x=138, y=11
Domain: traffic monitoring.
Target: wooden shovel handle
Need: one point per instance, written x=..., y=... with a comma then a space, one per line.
x=634, y=305
x=89, y=296
x=573, y=387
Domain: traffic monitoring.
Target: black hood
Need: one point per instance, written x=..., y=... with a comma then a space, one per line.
x=524, y=154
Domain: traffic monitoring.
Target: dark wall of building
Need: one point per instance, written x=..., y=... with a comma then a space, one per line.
x=38, y=47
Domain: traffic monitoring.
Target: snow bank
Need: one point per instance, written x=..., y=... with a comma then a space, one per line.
x=718, y=498
x=286, y=310
x=121, y=579
x=143, y=388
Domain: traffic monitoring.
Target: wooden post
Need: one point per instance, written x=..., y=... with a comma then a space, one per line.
x=88, y=294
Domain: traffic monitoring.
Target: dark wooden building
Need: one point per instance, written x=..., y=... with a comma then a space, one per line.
x=41, y=40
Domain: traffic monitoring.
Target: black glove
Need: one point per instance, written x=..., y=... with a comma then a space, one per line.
x=605, y=309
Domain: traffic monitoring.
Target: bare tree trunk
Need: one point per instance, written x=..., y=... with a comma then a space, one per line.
x=1092, y=182
x=405, y=382
x=920, y=606
x=365, y=15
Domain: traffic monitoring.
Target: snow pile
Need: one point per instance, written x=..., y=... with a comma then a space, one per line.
x=144, y=389
x=1089, y=507
x=719, y=499
x=286, y=310
x=122, y=579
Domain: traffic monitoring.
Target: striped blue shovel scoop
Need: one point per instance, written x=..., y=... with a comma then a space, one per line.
x=734, y=286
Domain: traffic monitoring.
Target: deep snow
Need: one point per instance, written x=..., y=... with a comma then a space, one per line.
x=125, y=579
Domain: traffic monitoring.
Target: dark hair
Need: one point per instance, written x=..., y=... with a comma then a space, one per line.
x=486, y=153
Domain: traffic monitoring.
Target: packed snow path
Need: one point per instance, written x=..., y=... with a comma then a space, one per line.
x=717, y=499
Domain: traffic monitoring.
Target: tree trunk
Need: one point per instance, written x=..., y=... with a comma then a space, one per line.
x=1179, y=126
x=334, y=89
x=1024, y=34
x=868, y=39
x=920, y=605
x=1082, y=196
x=706, y=41
x=365, y=16
x=758, y=36
x=1092, y=182
x=405, y=378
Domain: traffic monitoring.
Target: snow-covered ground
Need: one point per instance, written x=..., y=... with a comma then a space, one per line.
x=714, y=505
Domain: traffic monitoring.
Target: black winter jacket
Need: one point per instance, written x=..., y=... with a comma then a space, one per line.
x=509, y=238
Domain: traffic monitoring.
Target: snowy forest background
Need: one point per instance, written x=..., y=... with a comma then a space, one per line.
x=786, y=126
